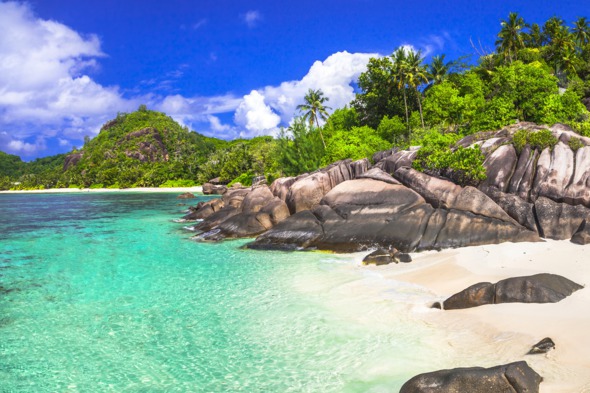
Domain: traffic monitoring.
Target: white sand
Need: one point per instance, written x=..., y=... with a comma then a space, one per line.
x=142, y=189
x=503, y=333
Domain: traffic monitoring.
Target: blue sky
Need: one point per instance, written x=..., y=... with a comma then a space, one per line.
x=224, y=68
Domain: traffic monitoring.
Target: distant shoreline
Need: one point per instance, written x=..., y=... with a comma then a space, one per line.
x=197, y=189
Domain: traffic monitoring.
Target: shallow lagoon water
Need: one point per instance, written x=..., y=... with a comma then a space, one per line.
x=105, y=293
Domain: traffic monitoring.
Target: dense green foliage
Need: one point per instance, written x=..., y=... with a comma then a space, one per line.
x=540, y=140
x=437, y=157
x=11, y=165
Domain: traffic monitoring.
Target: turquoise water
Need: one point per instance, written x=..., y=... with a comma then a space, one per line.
x=104, y=293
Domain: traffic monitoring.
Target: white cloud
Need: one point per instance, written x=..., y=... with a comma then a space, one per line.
x=63, y=142
x=264, y=109
x=42, y=81
x=251, y=18
x=256, y=116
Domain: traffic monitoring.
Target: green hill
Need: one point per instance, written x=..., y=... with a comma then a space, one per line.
x=144, y=148
x=10, y=165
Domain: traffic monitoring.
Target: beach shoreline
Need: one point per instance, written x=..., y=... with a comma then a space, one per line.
x=500, y=333
x=196, y=189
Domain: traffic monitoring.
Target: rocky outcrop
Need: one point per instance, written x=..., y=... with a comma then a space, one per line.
x=214, y=189
x=203, y=210
x=72, y=159
x=582, y=236
x=515, y=377
x=366, y=213
x=500, y=166
x=307, y=192
x=350, y=206
x=539, y=288
x=559, y=220
x=186, y=195
x=249, y=213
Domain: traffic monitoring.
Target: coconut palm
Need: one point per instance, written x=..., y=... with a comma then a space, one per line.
x=416, y=75
x=438, y=70
x=534, y=37
x=510, y=37
x=581, y=31
x=400, y=76
x=314, y=109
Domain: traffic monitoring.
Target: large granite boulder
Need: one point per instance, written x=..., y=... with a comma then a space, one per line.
x=559, y=220
x=524, y=173
x=499, y=167
x=307, y=192
x=539, y=288
x=252, y=211
x=441, y=193
x=204, y=209
x=515, y=207
x=378, y=174
x=280, y=187
x=235, y=196
x=397, y=160
x=578, y=191
x=582, y=236
x=555, y=170
x=214, y=189
x=517, y=377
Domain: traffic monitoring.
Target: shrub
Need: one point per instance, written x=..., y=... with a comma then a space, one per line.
x=575, y=143
x=97, y=185
x=244, y=179
x=537, y=139
x=462, y=165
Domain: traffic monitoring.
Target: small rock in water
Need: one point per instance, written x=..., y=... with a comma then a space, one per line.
x=543, y=346
x=186, y=195
x=379, y=257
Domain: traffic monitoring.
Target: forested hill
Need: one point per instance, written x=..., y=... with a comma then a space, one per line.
x=143, y=148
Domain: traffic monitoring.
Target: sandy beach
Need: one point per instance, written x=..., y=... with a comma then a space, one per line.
x=502, y=333
x=70, y=190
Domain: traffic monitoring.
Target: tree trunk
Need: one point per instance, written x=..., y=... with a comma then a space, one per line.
x=420, y=107
x=407, y=117
x=320, y=130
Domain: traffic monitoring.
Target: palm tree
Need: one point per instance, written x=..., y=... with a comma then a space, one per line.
x=581, y=31
x=510, y=37
x=400, y=76
x=438, y=70
x=560, y=43
x=315, y=109
x=416, y=76
x=534, y=37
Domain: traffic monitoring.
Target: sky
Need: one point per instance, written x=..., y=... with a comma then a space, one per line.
x=228, y=69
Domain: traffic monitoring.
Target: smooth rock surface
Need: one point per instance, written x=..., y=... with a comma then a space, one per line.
x=515, y=377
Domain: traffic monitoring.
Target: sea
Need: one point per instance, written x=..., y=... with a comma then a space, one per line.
x=105, y=292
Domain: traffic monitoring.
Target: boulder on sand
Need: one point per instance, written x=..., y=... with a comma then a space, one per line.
x=517, y=377
x=538, y=288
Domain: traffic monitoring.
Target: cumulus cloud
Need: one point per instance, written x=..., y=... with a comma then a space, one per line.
x=251, y=18
x=263, y=110
x=256, y=116
x=42, y=80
